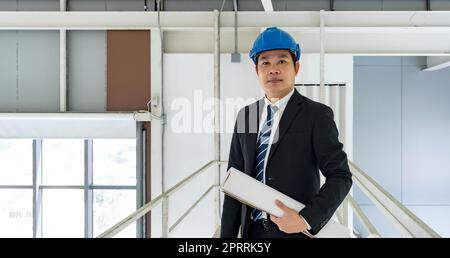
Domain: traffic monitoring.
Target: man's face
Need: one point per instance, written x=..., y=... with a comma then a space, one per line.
x=276, y=72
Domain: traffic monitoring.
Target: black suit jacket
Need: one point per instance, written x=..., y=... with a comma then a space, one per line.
x=307, y=141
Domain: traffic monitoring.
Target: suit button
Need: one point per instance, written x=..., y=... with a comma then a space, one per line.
x=269, y=178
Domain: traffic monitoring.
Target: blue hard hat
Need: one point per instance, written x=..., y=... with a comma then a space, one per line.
x=271, y=39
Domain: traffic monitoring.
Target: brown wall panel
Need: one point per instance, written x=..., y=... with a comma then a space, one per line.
x=128, y=70
x=128, y=81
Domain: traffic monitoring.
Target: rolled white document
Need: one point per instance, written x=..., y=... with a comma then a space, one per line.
x=254, y=193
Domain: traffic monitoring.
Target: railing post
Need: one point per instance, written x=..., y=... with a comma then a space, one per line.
x=345, y=213
x=165, y=216
x=322, y=70
x=217, y=112
x=322, y=57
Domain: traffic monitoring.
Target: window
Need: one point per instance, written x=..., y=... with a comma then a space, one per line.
x=62, y=213
x=81, y=187
x=114, y=165
x=16, y=213
x=16, y=162
x=16, y=176
x=115, y=162
x=110, y=207
x=63, y=162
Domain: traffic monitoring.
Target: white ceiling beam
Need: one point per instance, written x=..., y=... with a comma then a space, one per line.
x=142, y=116
x=435, y=63
x=196, y=20
x=387, y=18
x=267, y=4
x=359, y=41
x=373, y=33
x=145, y=20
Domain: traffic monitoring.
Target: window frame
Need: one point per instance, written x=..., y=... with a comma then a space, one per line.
x=88, y=185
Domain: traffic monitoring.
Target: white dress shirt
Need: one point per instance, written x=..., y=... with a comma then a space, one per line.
x=281, y=105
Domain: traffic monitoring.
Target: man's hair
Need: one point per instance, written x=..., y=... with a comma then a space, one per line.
x=290, y=53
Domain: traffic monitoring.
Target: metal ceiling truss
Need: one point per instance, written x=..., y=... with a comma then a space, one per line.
x=346, y=32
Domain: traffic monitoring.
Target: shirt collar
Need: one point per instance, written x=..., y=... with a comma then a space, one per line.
x=281, y=103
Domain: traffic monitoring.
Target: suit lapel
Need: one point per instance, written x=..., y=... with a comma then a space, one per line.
x=293, y=107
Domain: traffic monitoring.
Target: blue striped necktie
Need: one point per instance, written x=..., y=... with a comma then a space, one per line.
x=261, y=150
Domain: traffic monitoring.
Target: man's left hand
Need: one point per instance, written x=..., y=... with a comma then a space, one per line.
x=290, y=221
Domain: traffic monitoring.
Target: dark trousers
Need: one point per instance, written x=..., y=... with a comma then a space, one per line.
x=267, y=229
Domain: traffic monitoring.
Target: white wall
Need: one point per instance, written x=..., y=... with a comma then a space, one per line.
x=338, y=69
x=188, y=82
x=401, y=139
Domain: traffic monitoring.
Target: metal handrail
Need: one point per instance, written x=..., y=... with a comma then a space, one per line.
x=401, y=216
x=408, y=223
x=192, y=207
x=116, y=228
x=188, y=179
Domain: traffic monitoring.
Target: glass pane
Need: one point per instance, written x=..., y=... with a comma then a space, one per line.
x=63, y=162
x=16, y=162
x=114, y=161
x=63, y=213
x=16, y=213
x=110, y=207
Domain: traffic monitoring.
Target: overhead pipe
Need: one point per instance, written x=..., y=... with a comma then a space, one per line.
x=158, y=102
x=235, y=57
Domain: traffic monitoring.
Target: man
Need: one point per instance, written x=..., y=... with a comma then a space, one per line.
x=283, y=140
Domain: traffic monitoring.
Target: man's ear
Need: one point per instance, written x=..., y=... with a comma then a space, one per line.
x=256, y=69
x=297, y=67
